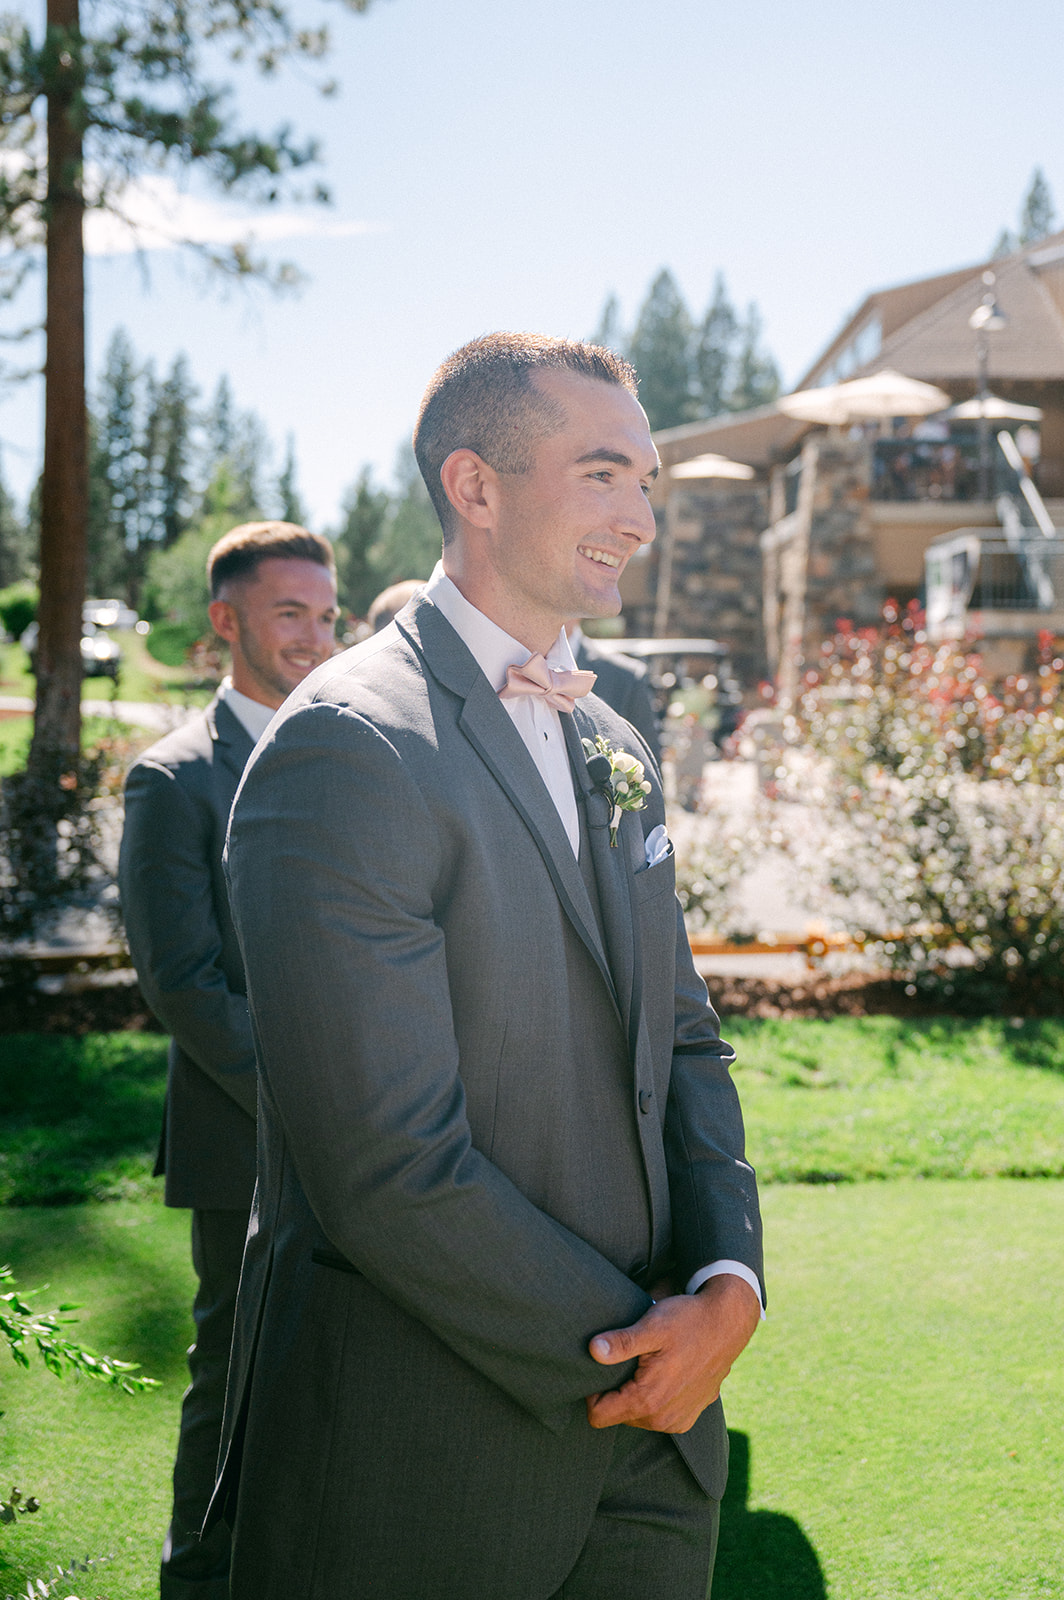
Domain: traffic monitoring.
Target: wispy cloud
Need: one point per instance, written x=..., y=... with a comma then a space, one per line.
x=157, y=215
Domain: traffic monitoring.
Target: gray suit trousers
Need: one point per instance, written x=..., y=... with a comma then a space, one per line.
x=195, y=1569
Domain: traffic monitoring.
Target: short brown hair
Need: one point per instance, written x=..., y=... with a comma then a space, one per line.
x=483, y=398
x=239, y=552
x=391, y=601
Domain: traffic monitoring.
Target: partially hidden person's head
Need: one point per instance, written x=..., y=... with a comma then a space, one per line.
x=391, y=601
x=539, y=461
x=273, y=600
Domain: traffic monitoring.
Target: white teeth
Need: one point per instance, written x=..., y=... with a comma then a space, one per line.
x=601, y=556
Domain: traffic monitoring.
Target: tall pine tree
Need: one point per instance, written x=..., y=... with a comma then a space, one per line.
x=291, y=508
x=173, y=452
x=1036, y=213
x=87, y=106
x=364, y=514
x=118, y=473
x=714, y=355
x=660, y=351
x=757, y=379
x=15, y=556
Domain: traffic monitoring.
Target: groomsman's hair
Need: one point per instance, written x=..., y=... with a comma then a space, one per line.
x=483, y=398
x=239, y=553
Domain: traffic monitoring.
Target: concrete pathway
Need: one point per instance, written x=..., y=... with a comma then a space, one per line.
x=159, y=716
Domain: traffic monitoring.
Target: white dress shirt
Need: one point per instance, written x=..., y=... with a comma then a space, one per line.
x=539, y=725
x=252, y=715
x=541, y=729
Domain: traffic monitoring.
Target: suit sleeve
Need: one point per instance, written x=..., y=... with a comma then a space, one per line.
x=336, y=862
x=172, y=926
x=715, y=1210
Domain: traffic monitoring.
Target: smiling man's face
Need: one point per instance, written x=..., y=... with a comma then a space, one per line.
x=280, y=623
x=568, y=526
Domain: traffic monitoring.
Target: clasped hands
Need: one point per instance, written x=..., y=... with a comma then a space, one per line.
x=685, y=1345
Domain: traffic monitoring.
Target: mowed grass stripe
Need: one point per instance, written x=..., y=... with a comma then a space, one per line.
x=859, y=1098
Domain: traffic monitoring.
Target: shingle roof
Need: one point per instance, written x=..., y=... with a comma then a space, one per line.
x=939, y=346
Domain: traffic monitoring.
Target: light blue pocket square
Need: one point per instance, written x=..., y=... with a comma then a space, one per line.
x=657, y=845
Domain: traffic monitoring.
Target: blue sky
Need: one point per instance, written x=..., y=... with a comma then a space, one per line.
x=497, y=164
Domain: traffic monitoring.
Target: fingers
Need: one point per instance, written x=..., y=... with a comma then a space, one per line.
x=623, y=1344
x=683, y=1358
x=653, y=1403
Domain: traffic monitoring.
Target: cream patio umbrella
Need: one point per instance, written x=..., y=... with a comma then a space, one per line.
x=997, y=410
x=884, y=394
x=711, y=466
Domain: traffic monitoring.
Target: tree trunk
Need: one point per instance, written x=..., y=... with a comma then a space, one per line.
x=65, y=482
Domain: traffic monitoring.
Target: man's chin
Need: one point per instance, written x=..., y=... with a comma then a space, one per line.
x=602, y=605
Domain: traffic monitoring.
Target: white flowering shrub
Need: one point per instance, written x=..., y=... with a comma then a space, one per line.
x=715, y=851
x=934, y=807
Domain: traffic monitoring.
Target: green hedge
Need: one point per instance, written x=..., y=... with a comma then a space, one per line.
x=18, y=607
x=170, y=642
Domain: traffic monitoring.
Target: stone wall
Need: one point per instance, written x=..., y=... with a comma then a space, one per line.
x=842, y=579
x=716, y=575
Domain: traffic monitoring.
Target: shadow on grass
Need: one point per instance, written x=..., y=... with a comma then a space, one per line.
x=129, y=1269
x=79, y=1118
x=762, y=1555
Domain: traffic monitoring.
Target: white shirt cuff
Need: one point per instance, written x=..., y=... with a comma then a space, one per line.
x=737, y=1270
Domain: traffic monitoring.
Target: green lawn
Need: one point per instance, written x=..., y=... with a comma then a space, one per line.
x=79, y=1118
x=16, y=732
x=889, y=1097
x=141, y=677
x=896, y=1421
x=900, y=1407
x=840, y=1101
x=99, y=1461
x=903, y=1401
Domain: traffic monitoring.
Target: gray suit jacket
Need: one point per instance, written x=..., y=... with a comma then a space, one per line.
x=485, y=1124
x=176, y=911
x=624, y=684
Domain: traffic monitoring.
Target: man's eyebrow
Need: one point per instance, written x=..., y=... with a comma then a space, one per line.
x=300, y=604
x=616, y=458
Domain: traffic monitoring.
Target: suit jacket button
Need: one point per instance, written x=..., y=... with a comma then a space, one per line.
x=645, y=1097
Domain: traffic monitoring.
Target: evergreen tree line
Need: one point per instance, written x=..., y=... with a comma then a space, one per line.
x=169, y=475
x=691, y=369
x=1037, y=216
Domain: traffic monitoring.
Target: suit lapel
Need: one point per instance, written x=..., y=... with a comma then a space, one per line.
x=490, y=731
x=233, y=744
x=613, y=871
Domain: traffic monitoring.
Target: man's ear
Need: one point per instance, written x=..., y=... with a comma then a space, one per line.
x=469, y=484
x=224, y=620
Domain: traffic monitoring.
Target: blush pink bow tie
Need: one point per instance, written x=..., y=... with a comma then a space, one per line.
x=560, y=689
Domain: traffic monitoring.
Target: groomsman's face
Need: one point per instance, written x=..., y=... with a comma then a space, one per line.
x=565, y=530
x=280, y=623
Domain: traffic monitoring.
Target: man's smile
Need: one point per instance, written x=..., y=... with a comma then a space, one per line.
x=602, y=556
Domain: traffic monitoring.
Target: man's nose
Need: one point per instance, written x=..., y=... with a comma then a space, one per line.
x=638, y=522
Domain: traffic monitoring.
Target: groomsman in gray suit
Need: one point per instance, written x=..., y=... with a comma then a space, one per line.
x=506, y=1244
x=274, y=601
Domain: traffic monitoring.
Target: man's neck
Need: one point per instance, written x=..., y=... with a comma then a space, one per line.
x=252, y=689
x=536, y=631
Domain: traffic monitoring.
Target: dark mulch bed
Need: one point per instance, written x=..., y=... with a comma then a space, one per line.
x=115, y=1009
x=118, y=1007
x=856, y=994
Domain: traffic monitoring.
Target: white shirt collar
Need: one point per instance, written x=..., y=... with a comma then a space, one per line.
x=252, y=715
x=492, y=648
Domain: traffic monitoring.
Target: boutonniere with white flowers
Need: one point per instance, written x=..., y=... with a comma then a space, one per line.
x=619, y=776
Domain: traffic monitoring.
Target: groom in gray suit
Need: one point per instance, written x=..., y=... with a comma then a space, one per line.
x=505, y=1245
